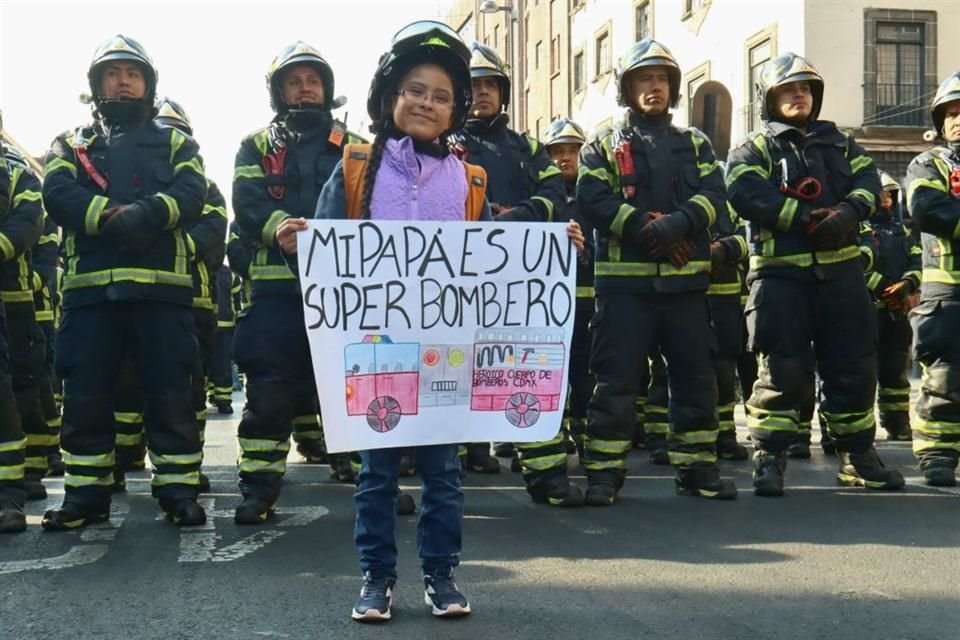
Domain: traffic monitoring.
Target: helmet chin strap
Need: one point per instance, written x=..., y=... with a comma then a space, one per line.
x=124, y=111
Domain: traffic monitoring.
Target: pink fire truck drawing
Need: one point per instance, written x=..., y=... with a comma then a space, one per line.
x=516, y=371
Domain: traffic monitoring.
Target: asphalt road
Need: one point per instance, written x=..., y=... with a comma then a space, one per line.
x=822, y=562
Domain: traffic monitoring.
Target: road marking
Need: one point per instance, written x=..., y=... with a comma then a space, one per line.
x=199, y=544
x=78, y=554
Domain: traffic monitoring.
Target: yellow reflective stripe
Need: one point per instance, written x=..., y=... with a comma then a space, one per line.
x=679, y=458
x=599, y=173
x=127, y=417
x=624, y=211
x=873, y=280
x=742, y=246
x=248, y=171
x=92, y=218
x=175, y=458
x=12, y=472
x=13, y=297
x=50, y=237
x=129, y=439
x=937, y=185
x=173, y=211
x=868, y=254
x=741, y=169
x=252, y=465
x=796, y=260
x=860, y=162
x=865, y=195
x=164, y=479
x=27, y=194
x=941, y=276
x=56, y=164
x=724, y=289
x=45, y=316
x=893, y=391
x=903, y=405
x=691, y=268
x=95, y=460
x=225, y=324
x=956, y=231
x=203, y=303
x=192, y=163
x=75, y=480
x=549, y=172
x=696, y=437
x=626, y=269
x=269, y=233
x=841, y=255
x=180, y=259
x=260, y=444
x=7, y=247
x=544, y=462
x=140, y=276
x=609, y=446
x=176, y=141
x=271, y=272
x=260, y=140
x=209, y=208
x=13, y=445
x=42, y=440
x=585, y=292
x=761, y=143
x=704, y=203
x=311, y=419
x=604, y=465
x=547, y=203
x=787, y=213
x=935, y=427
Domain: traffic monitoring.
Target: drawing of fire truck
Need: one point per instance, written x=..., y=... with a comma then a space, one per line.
x=517, y=371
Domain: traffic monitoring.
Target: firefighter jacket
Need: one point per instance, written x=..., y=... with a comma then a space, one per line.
x=522, y=181
x=278, y=174
x=933, y=195
x=228, y=297
x=239, y=252
x=100, y=166
x=764, y=168
x=206, y=239
x=898, y=255
x=675, y=172
x=45, y=256
x=585, y=260
x=21, y=225
x=727, y=279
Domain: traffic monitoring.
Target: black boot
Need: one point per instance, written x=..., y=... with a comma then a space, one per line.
x=768, y=469
x=313, y=451
x=404, y=504
x=657, y=448
x=799, y=449
x=55, y=466
x=204, y=484
x=340, y=467
x=224, y=407
x=72, y=516
x=602, y=489
x=408, y=467
x=34, y=487
x=119, y=481
x=504, y=449
x=704, y=482
x=12, y=519
x=557, y=493
x=940, y=475
x=253, y=510
x=728, y=448
x=864, y=469
x=897, y=425
x=479, y=459
x=186, y=513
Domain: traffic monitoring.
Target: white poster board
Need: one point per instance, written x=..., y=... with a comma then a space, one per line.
x=438, y=332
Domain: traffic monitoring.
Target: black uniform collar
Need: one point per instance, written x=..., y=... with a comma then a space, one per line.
x=481, y=126
x=649, y=122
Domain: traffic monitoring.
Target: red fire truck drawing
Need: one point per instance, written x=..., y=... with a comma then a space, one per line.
x=519, y=372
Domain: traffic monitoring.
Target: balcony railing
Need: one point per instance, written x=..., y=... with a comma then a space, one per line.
x=903, y=105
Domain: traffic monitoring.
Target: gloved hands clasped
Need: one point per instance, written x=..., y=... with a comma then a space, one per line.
x=831, y=229
x=129, y=227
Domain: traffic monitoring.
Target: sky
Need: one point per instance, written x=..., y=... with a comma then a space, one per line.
x=211, y=56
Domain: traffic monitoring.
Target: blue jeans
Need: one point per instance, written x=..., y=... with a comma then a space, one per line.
x=441, y=511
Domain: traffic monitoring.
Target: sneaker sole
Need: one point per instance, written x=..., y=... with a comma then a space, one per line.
x=709, y=495
x=371, y=615
x=847, y=480
x=453, y=611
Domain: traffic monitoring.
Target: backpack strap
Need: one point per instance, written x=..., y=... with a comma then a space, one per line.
x=476, y=191
x=355, y=157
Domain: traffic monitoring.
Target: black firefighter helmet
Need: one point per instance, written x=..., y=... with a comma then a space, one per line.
x=171, y=114
x=948, y=91
x=564, y=131
x=485, y=63
x=646, y=53
x=121, y=47
x=784, y=69
x=298, y=53
x=421, y=42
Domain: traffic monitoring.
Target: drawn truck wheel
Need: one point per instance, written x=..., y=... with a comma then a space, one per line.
x=522, y=410
x=383, y=414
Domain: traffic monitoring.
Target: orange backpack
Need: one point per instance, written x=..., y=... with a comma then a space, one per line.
x=355, y=158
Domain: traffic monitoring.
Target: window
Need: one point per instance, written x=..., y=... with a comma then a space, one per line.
x=603, y=59
x=689, y=6
x=757, y=55
x=537, y=54
x=643, y=27
x=579, y=72
x=900, y=63
x=555, y=55
x=539, y=128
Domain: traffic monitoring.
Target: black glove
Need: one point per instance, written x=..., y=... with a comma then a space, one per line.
x=633, y=227
x=662, y=234
x=837, y=228
x=718, y=258
x=129, y=228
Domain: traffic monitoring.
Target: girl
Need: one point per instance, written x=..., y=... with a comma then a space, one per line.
x=420, y=93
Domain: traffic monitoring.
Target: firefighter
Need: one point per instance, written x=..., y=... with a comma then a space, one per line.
x=124, y=190
x=221, y=371
x=805, y=187
x=544, y=464
x=652, y=191
x=279, y=172
x=522, y=183
x=20, y=226
x=933, y=196
x=895, y=283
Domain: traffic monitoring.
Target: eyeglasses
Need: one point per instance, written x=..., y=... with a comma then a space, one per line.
x=419, y=95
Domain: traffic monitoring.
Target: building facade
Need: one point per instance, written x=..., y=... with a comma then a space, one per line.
x=881, y=60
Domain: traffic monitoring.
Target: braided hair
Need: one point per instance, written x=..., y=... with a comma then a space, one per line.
x=373, y=165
